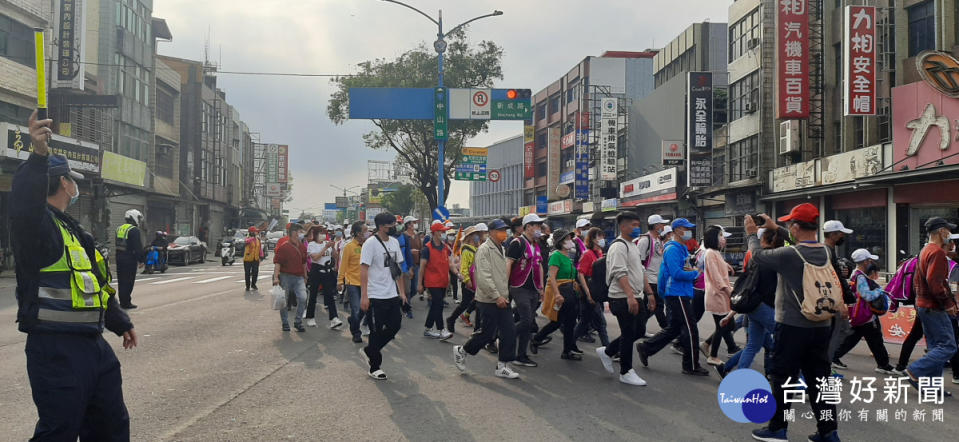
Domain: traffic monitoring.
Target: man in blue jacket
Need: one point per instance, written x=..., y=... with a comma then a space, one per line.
x=676, y=288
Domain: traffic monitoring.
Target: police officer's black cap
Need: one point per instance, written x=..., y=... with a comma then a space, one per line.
x=57, y=165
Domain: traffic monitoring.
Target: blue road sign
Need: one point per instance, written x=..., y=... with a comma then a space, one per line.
x=368, y=103
x=441, y=213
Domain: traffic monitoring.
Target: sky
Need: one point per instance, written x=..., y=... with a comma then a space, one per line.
x=541, y=39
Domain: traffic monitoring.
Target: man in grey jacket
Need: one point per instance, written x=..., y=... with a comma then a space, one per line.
x=492, y=301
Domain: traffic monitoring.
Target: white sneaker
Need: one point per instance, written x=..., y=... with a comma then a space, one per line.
x=459, y=357
x=364, y=330
x=606, y=360
x=335, y=322
x=503, y=371
x=445, y=334
x=429, y=333
x=311, y=322
x=631, y=378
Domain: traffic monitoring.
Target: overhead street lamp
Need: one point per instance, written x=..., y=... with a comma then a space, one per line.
x=440, y=47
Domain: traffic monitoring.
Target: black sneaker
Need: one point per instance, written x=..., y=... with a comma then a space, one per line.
x=698, y=371
x=491, y=347
x=721, y=369
x=571, y=356
x=545, y=341
x=734, y=350
x=837, y=364
x=533, y=347
x=299, y=327
x=286, y=328
x=643, y=358
x=357, y=339
x=128, y=306
x=525, y=361
x=576, y=351
x=254, y=287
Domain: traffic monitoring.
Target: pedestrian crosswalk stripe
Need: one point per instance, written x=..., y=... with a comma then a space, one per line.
x=258, y=278
x=172, y=280
x=211, y=280
x=146, y=279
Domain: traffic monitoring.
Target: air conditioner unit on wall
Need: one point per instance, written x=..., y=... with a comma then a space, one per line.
x=752, y=43
x=789, y=137
x=750, y=107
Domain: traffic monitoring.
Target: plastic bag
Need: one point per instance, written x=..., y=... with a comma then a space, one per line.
x=279, y=297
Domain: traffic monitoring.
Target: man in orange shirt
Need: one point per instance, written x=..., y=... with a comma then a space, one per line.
x=434, y=276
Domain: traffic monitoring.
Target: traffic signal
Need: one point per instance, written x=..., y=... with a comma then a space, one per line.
x=513, y=94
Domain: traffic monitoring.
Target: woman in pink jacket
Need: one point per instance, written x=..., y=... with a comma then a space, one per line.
x=718, y=289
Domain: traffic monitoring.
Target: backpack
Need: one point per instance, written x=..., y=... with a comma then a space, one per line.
x=863, y=311
x=899, y=287
x=822, y=295
x=597, y=283
x=649, y=251
x=744, y=298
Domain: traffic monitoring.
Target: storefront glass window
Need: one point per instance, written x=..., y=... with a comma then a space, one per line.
x=869, y=232
x=918, y=218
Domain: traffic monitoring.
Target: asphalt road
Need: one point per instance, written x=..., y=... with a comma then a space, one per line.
x=213, y=364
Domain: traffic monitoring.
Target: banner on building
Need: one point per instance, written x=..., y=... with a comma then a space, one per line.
x=529, y=163
x=848, y=166
x=674, y=154
x=70, y=37
x=282, y=163
x=581, y=182
x=123, y=169
x=859, y=61
x=81, y=155
x=659, y=186
x=699, y=128
x=793, y=177
x=274, y=190
x=792, y=50
x=608, y=138
x=552, y=162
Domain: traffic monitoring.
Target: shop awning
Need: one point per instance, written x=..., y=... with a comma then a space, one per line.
x=912, y=176
x=815, y=191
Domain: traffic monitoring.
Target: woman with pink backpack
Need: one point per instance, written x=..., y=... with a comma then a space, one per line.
x=870, y=300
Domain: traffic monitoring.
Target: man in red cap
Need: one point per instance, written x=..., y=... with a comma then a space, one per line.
x=434, y=276
x=802, y=344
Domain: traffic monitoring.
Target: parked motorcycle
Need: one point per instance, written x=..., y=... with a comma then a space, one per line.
x=156, y=260
x=227, y=252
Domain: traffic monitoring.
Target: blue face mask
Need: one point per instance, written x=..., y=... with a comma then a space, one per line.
x=636, y=232
x=687, y=235
x=76, y=195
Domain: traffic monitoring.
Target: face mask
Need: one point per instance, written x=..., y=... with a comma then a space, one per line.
x=451, y=238
x=841, y=241
x=76, y=194
x=636, y=232
x=392, y=231
x=367, y=234
x=301, y=236
x=339, y=235
x=568, y=245
x=537, y=234
x=687, y=235
x=601, y=242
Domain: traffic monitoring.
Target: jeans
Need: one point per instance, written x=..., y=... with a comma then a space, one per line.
x=565, y=320
x=801, y=350
x=295, y=284
x=762, y=325
x=357, y=316
x=251, y=271
x=435, y=314
x=496, y=322
x=525, y=300
x=386, y=322
x=465, y=305
x=872, y=332
x=682, y=325
x=593, y=316
x=631, y=327
x=940, y=339
x=720, y=334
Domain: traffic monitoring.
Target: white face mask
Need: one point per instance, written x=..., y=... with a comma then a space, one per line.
x=568, y=245
x=301, y=236
x=601, y=242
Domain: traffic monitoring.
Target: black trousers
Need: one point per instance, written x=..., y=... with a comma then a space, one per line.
x=565, y=321
x=660, y=311
x=77, y=388
x=466, y=304
x=386, y=316
x=801, y=350
x=721, y=334
x=126, y=276
x=251, y=271
x=495, y=322
x=434, y=316
x=873, y=335
x=316, y=281
x=631, y=327
x=526, y=301
x=682, y=325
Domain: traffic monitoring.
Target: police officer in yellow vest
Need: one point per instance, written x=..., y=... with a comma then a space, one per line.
x=64, y=302
x=130, y=254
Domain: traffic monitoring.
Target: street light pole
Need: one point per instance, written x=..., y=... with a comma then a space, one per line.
x=440, y=47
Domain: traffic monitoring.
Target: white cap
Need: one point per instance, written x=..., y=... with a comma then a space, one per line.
x=532, y=218
x=667, y=229
x=759, y=233
x=954, y=236
x=481, y=227
x=835, y=226
x=582, y=223
x=410, y=219
x=860, y=255
x=656, y=219
x=725, y=233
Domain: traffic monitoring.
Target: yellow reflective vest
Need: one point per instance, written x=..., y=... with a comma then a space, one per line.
x=122, y=233
x=71, y=294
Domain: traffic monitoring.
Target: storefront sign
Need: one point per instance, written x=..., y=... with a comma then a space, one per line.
x=123, y=169
x=283, y=159
x=272, y=163
x=82, y=156
x=542, y=204
x=940, y=70
x=581, y=187
x=588, y=207
x=674, y=153
x=70, y=30
x=552, y=162
x=859, y=61
x=699, y=128
x=659, y=186
x=739, y=203
x=792, y=49
x=567, y=177
x=848, y=166
x=568, y=140
x=609, y=205
x=526, y=210
x=796, y=176
x=560, y=207
x=922, y=127
x=608, y=138
x=529, y=163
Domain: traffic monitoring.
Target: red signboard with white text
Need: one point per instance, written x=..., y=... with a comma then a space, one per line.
x=529, y=163
x=859, y=61
x=792, y=50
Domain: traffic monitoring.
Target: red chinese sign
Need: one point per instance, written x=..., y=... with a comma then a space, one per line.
x=896, y=325
x=792, y=46
x=529, y=163
x=859, y=61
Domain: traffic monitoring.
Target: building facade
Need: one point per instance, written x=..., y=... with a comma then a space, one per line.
x=491, y=199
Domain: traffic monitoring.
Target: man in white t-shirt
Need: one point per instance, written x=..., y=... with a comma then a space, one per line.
x=382, y=289
x=651, y=252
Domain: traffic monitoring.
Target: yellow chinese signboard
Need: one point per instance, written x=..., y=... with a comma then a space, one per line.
x=123, y=169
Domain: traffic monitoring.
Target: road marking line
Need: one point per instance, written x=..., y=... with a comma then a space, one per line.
x=211, y=280
x=172, y=280
x=263, y=276
x=146, y=279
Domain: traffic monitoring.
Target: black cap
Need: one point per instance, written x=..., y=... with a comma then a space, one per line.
x=937, y=223
x=57, y=165
x=559, y=235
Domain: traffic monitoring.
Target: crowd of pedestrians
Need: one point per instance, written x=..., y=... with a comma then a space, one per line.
x=802, y=305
